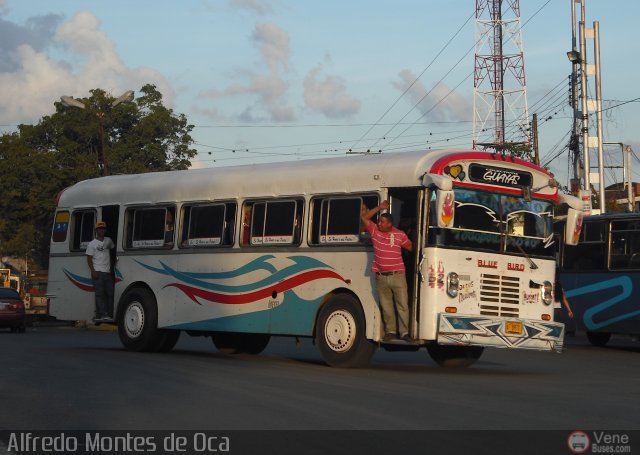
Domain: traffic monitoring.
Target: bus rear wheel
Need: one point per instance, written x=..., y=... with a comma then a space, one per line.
x=240, y=343
x=340, y=333
x=454, y=356
x=138, y=322
x=598, y=338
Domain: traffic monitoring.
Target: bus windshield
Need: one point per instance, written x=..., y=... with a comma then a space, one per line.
x=496, y=222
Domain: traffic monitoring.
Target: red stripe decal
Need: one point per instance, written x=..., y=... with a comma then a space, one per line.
x=285, y=285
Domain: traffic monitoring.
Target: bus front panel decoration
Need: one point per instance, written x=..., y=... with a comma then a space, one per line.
x=296, y=261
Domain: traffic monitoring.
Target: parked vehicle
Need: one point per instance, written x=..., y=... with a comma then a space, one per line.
x=12, y=312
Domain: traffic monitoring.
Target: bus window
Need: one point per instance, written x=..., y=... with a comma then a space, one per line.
x=60, y=226
x=150, y=227
x=589, y=253
x=208, y=225
x=625, y=245
x=83, y=223
x=274, y=222
x=337, y=220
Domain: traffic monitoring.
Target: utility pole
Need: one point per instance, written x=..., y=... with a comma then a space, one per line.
x=582, y=109
x=534, y=135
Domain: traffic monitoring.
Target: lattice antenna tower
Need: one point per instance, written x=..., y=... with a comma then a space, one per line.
x=500, y=111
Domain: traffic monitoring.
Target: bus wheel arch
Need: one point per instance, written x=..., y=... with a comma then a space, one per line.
x=340, y=331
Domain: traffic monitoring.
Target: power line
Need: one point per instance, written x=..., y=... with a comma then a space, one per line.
x=414, y=81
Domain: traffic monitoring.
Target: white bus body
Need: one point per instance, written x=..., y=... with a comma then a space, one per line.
x=277, y=249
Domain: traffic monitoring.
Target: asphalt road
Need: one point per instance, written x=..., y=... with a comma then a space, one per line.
x=76, y=379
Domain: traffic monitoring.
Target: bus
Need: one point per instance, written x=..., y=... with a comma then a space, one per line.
x=601, y=276
x=278, y=250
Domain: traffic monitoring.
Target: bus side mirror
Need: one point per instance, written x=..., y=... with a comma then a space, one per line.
x=573, y=226
x=445, y=208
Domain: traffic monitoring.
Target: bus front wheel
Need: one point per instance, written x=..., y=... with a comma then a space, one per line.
x=598, y=338
x=138, y=323
x=340, y=333
x=454, y=356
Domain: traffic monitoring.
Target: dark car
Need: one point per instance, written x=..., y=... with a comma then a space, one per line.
x=12, y=310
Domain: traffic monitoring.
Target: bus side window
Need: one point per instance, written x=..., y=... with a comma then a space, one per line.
x=625, y=248
x=589, y=253
x=272, y=222
x=147, y=227
x=337, y=220
x=208, y=225
x=60, y=226
x=83, y=223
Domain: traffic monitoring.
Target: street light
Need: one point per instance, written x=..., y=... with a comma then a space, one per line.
x=574, y=56
x=126, y=97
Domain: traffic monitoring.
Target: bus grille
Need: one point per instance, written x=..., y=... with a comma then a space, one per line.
x=499, y=295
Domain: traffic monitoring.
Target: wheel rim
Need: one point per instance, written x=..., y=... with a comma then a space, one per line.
x=134, y=319
x=340, y=331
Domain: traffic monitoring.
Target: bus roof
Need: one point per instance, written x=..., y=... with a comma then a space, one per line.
x=354, y=173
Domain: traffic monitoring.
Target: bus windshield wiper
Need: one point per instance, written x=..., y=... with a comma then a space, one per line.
x=532, y=265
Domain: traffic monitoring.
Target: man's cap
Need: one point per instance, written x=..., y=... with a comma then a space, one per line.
x=101, y=224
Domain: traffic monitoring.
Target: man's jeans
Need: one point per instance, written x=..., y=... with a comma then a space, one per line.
x=103, y=286
x=393, y=288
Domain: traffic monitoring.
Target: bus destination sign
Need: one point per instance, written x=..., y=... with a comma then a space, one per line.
x=499, y=176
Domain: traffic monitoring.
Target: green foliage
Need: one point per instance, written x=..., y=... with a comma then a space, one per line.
x=39, y=161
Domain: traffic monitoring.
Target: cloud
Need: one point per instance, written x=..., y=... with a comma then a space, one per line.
x=37, y=33
x=271, y=88
x=274, y=45
x=32, y=81
x=437, y=104
x=252, y=5
x=328, y=96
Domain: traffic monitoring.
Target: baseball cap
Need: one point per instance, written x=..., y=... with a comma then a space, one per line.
x=101, y=224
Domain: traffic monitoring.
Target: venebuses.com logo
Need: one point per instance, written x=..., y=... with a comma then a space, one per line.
x=599, y=442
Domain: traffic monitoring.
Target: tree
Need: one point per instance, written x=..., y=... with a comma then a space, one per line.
x=38, y=161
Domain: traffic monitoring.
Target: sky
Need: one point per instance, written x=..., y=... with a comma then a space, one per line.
x=277, y=80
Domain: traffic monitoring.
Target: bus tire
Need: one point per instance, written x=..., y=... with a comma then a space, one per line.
x=169, y=340
x=138, y=322
x=255, y=343
x=240, y=343
x=598, y=338
x=340, y=333
x=454, y=356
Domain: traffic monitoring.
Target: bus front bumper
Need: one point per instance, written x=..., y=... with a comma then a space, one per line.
x=455, y=329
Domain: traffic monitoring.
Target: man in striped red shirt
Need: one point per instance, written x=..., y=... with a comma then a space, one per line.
x=390, y=272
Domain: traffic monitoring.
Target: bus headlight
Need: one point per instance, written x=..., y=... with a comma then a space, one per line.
x=547, y=293
x=452, y=284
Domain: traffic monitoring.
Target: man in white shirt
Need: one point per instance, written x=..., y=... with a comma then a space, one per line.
x=99, y=261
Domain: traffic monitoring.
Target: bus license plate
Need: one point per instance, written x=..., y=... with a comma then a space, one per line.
x=514, y=327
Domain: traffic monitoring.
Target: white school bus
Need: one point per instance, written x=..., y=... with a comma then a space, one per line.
x=279, y=250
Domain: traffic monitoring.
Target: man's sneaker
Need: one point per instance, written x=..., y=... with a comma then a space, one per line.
x=388, y=336
x=406, y=338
